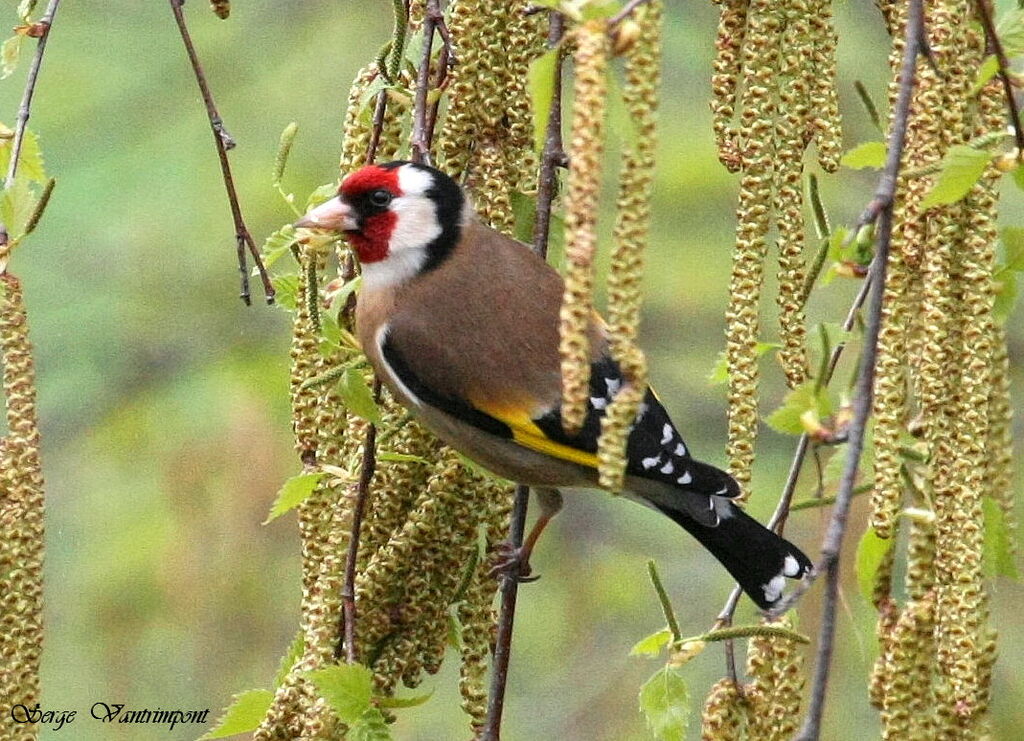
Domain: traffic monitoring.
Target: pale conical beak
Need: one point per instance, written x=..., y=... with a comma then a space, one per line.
x=333, y=215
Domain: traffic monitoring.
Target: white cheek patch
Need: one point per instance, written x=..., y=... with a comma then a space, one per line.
x=416, y=226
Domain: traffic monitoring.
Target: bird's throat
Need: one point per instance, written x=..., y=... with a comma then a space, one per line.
x=371, y=242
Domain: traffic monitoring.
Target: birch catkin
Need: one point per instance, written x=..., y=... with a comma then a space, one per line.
x=586, y=146
x=632, y=226
x=773, y=94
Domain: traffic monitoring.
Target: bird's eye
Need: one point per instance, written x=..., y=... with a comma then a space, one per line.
x=380, y=198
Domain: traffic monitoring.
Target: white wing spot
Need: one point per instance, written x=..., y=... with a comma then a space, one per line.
x=613, y=385
x=680, y=449
x=598, y=403
x=791, y=566
x=651, y=462
x=666, y=434
x=773, y=589
x=641, y=411
x=667, y=468
x=686, y=478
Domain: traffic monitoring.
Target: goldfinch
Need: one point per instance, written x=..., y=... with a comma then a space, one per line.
x=461, y=323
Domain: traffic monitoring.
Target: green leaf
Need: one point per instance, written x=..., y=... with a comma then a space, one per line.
x=720, y=373
x=413, y=52
x=339, y=297
x=278, y=245
x=16, y=206
x=357, y=395
x=1006, y=294
x=369, y=96
x=652, y=644
x=403, y=702
x=293, y=493
x=871, y=552
x=986, y=71
x=286, y=289
x=454, y=628
x=665, y=703
x=598, y=9
x=30, y=161
x=371, y=726
x=322, y=193
x=1018, y=176
x=347, y=688
x=243, y=715
x=962, y=167
x=294, y=653
x=9, y=54
x=868, y=154
x=401, y=458
x=1012, y=238
x=1010, y=30
x=524, y=211
x=999, y=547
x=805, y=397
x=541, y=81
x=330, y=330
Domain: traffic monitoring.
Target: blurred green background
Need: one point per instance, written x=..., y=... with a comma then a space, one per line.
x=164, y=400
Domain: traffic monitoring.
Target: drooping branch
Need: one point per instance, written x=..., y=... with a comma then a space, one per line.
x=552, y=158
x=223, y=141
x=424, y=116
x=880, y=210
x=24, y=113
x=24, y=110
x=996, y=45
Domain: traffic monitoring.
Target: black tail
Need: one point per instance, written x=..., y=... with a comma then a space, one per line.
x=756, y=557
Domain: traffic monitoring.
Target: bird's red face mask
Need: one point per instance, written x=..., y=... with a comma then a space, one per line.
x=361, y=211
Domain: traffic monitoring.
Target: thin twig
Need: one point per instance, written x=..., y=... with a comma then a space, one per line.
x=419, y=150
x=369, y=462
x=348, y=589
x=378, y=124
x=506, y=620
x=666, y=603
x=624, y=13
x=996, y=44
x=25, y=112
x=224, y=142
x=551, y=159
x=833, y=542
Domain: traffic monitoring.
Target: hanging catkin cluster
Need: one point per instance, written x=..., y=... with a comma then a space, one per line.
x=594, y=43
x=486, y=141
x=636, y=179
x=21, y=520
x=942, y=363
x=581, y=206
x=773, y=95
x=767, y=707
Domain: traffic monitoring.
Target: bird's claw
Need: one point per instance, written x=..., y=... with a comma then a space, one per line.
x=511, y=562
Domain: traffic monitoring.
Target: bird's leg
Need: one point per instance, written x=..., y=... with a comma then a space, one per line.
x=515, y=562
